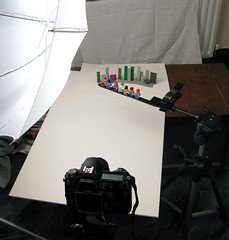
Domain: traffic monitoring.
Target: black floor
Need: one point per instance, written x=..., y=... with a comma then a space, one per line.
x=53, y=221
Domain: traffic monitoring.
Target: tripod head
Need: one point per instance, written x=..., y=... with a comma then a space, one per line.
x=207, y=124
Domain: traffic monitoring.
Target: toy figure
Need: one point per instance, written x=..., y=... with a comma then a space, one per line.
x=104, y=82
x=131, y=92
x=126, y=91
x=108, y=84
x=121, y=87
x=137, y=94
x=115, y=86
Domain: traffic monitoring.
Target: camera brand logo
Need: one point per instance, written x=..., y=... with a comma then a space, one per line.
x=88, y=169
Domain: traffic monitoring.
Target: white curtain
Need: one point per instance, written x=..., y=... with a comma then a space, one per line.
x=141, y=31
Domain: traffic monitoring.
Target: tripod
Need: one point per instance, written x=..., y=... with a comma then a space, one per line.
x=200, y=165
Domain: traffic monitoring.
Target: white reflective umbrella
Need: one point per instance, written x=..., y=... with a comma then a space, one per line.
x=39, y=39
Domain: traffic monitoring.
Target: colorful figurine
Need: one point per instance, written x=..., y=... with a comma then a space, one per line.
x=126, y=91
x=121, y=87
x=131, y=92
x=114, y=86
x=137, y=94
x=108, y=84
x=104, y=82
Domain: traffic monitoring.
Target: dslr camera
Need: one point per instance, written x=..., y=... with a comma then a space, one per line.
x=95, y=190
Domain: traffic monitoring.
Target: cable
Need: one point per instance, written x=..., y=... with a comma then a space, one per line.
x=135, y=205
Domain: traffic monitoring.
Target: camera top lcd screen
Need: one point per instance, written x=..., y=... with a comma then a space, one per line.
x=112, y=176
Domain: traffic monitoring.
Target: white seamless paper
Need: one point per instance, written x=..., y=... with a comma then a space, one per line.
x=94, y=122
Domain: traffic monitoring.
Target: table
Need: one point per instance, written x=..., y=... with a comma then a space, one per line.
x=205, y=85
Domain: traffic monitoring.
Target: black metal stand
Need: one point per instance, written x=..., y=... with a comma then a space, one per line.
x=207, y=124
x=199, y=166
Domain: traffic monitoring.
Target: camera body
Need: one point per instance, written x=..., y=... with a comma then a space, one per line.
x=94, y=190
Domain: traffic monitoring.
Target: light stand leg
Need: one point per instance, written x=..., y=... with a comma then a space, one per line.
x=189, y=209
x=21, y=229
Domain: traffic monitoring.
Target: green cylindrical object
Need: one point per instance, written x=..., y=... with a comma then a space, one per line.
x=125, y=72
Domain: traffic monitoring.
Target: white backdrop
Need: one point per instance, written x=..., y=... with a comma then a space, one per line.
x=89, y=121
x=141, y=31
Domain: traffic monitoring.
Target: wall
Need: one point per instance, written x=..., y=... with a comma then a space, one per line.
x=223, y=30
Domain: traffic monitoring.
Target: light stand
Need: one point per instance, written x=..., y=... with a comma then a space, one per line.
x=207, y=124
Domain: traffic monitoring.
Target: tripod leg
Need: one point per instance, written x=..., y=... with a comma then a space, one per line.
x=189, y=209
x=172, y=177
x=222, y=209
